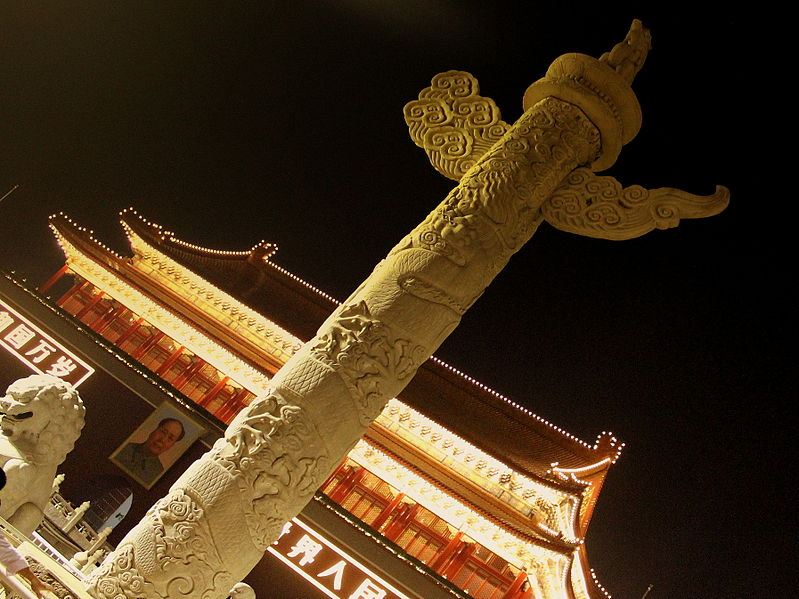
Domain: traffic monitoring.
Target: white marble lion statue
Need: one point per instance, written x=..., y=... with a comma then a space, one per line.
x=42, y=417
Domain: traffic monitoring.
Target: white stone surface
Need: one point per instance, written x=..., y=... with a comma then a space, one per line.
x=42, y=418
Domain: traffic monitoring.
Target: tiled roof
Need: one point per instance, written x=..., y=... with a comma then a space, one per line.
x=486, y=419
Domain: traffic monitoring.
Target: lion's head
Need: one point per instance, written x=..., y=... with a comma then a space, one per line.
x=42, y=418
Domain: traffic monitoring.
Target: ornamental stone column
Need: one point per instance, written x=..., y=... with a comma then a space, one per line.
x=224, y=511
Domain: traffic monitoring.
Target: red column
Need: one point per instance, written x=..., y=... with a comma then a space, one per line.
x=103, y=318
x=346, y=484
x=147, y=345
x=129, y=333
x=335, y=473
x=72, y=291
x=170, y=361
x=103, y=323
x=213, y=392
x=232, y=407
x=54, y=279
x=440, y=563
x=458, y=560
x=386, y=513
x=88, y=307
x=190, y=371
x=398, y=526
x=515, y=591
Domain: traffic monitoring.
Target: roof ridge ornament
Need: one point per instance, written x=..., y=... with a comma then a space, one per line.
x=628, y=56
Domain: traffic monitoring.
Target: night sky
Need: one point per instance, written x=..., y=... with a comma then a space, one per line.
x=229, y=123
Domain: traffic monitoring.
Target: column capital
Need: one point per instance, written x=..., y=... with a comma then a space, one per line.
x=601, y=88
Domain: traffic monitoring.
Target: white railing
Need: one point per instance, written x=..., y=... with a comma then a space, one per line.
x=53, y=554
x=55, y=565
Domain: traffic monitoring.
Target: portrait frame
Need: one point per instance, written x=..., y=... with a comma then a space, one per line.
x=146, y=471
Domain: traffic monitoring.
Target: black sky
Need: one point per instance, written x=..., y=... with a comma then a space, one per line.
x=229, y=123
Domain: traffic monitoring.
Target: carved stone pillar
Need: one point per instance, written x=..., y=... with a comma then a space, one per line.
x=225, y=510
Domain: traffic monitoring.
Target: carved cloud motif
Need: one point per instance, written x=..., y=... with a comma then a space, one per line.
x=594, y=206
x=453, y=124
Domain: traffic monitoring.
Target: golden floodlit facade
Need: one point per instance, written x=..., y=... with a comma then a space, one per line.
x=337, y=443
x=496, y=507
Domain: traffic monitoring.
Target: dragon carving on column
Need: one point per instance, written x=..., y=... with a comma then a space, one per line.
x=225, y=510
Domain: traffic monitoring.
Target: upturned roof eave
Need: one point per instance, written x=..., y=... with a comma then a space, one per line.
x=506, y=414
